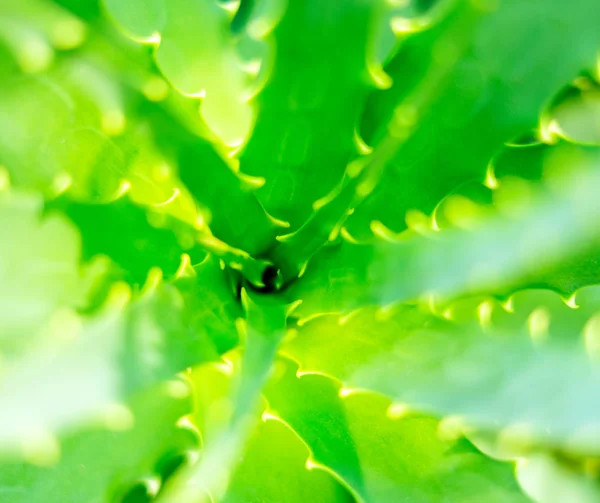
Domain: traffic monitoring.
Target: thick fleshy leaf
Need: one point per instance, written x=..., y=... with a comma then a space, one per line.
x=78, y=366
x=142, y=251
x=60, y=366
x=306, y=128
x=274, y=469
x=196, y=53
x=240, y=402
x=461, y=89
x=69, y=136
x=236, y=216
x=498, y=369
x=101, y=462
x=499, y=252
x=129, y=237
x=138, y=239
x=533, y=162
x=381, y=457
x=39, y=263
x=211, y=308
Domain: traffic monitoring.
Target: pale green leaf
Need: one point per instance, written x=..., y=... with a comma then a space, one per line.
x=196, y=53
x=100, y=463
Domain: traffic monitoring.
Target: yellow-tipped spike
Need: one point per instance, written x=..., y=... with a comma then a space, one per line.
x=68, y=34
x=451, y=427
x=174, y=195
x=571, y=301
x=347, y=236
x=185, y=269
x=380, y=230
x=491, y=182
x=177, y=389
x=153, y=280
x=113, y=122
x=360, y=144
x=251, y=182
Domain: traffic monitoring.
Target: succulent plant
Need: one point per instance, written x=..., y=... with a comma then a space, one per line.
x=277, y=251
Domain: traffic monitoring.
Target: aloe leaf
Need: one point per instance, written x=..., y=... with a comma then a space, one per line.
x=215, y=185
x=39, y=264
x=101, y=462
x=210, y=476
x=266, y=250
x=382, y=457
x=464, y=82
x=211, y=308
x=205, y=67
x=305, y=132
x=500, y=251
x=493, y=365
x=128, y=238
x=73, y=155
x=274, y=458
x=532, y=162
x=158, y=338
x=60, y=366
x=546, y=479
x=81, y=365
x=355, y=339
x=274, y=469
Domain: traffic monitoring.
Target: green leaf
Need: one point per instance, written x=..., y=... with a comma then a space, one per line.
x=69, y=139
x=380, y=457
x=273, y=469
x=305, y=132
x=540, y=161
x=210, y=304
x=130, y=236
x=340, y=345
x=500, y=251
x=159, y=337
x=461, y=89
x=201, y=67
x=142, y=177
x=546, y=479
x=51, y=145
x=210, y=476
x=497, y=370
x=149, y=238
x=236, y=215
x=99, y=463
x=272, y=465
x=73, y=366
x=39, y=263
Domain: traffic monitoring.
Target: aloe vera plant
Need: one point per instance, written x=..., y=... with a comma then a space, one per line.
x=272, y=251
